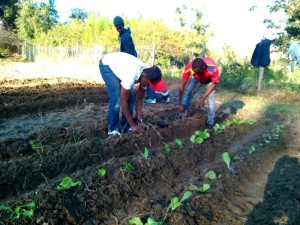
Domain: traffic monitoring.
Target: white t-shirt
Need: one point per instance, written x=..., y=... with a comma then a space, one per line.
x=126, y=67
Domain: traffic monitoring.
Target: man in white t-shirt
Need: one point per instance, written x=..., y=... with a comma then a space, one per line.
x=120, y=72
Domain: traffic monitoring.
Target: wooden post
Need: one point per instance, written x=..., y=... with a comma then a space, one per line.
x=260, y=78
x=153, y=54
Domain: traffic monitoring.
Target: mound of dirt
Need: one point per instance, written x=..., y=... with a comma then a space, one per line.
x=53, y=130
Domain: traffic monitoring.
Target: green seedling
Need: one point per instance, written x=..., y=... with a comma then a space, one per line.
x=228, y=123
x=167, y=148
x=237, y=121
x=250, y=121
x=25, y=210
x=179, y=143
x=101, y=172
x=211, y=175
x=219, y=128
x=36, y=146
x=278, y=129
x=137, y=221
x=252, y=149
x=128, y=166
x=226, y=158
x=204, y=188
x=175, y=203
x=199, y=136
x=145, y=154
x=67, y=183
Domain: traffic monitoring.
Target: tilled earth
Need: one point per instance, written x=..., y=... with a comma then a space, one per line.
x=56, y=128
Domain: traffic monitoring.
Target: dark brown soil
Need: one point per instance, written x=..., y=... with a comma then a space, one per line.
x=67, y=119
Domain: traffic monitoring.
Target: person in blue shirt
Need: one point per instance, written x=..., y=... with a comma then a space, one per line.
x=126, y=41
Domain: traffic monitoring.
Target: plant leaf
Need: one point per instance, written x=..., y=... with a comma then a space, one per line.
x=226, y=159
x=186, y=195
x=101, y=172
x=135, y=221
x=211, y=175
x=175, y=203
x=205, y=187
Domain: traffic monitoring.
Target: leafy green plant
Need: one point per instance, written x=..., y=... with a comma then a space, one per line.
x=211, y=175
x=25, y=210
x=226, y=159
x=101, y=172
x=179, y=143
x=128, y=166
x=137, y=221
x=219, y=128
x=252, y=149
x=175, y=203
x=36, y=146
x=228, y=123
x=278, y=128
x=203, y=188
x=237, y=121
x=67, y=183
x=145, y=154
x=250, y=121
x=199, y=136
x=167, y=148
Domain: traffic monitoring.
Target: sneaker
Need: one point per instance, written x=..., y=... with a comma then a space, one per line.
x=149, y=100
x=113, y=133
x=168, y=100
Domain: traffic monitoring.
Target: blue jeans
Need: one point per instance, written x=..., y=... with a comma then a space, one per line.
x=113, y=87
x=186, y=100
x=153, y=95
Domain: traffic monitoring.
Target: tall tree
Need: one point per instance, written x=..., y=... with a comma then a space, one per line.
x=79, y=14
x=35, y=18
x=8, y=13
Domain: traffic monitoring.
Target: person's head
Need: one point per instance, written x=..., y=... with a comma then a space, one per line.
x=152, y=74
x=119, y=24
x=198, y=65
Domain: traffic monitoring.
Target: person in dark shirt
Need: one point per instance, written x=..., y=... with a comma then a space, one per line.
x=126, y=41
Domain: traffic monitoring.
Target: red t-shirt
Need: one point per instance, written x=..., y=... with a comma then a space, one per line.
x=160, y=86
x=210, y=72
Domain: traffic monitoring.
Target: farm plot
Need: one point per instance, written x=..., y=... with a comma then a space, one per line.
x=59, y=167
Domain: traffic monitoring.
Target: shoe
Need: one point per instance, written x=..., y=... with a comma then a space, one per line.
x=113, y=133
x=180, y=116
x=168, y=100
x=149, y=100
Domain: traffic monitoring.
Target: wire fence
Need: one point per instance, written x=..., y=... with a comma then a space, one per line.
x=34, y=53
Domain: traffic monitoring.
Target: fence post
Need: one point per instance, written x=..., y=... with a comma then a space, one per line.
x=260, y=78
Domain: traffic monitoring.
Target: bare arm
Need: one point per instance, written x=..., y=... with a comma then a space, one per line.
x=139, y=99
x=180, y=94
x=125, y=95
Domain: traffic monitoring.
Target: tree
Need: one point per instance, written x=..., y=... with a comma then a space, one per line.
x=79, y=14
x=35, y=18
x=8, y=13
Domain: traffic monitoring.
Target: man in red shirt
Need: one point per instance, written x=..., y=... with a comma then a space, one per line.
x=206, y=72
x=158, y=92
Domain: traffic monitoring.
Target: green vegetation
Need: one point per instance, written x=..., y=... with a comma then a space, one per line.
x=203, y=188
x=67, y=183
x=145, y=154
x=101, y=172
x=179, y=143
x=24, y=210
x=167, y=148
x=128, y=166
x=175, y=203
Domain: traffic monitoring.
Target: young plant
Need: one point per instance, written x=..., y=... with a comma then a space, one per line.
x=137, y=221
x=237, y=121
x=67, y=183
x=167, y=148
x=128, y=166
x=250, y=121
x=25, y=210
x=228, y=123
x=145, y=154
x=203, y=134
x=36, y=146
x=219, y=128
x=278, y=128
x=211, y=175
x=179, y=143
x=101, y=172
x=226, y=159
x=175, y=203
x=204, y=188
x=252, y=149
x=195, y=139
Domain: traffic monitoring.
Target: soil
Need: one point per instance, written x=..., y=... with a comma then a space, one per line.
x=56, y=128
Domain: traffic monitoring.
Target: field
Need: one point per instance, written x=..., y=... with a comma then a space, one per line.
x=53, y=126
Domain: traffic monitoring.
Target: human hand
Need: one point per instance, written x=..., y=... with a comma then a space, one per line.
x=201, y=102
x=137, y=128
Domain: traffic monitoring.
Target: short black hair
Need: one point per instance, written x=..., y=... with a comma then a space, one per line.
x=198, y=63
